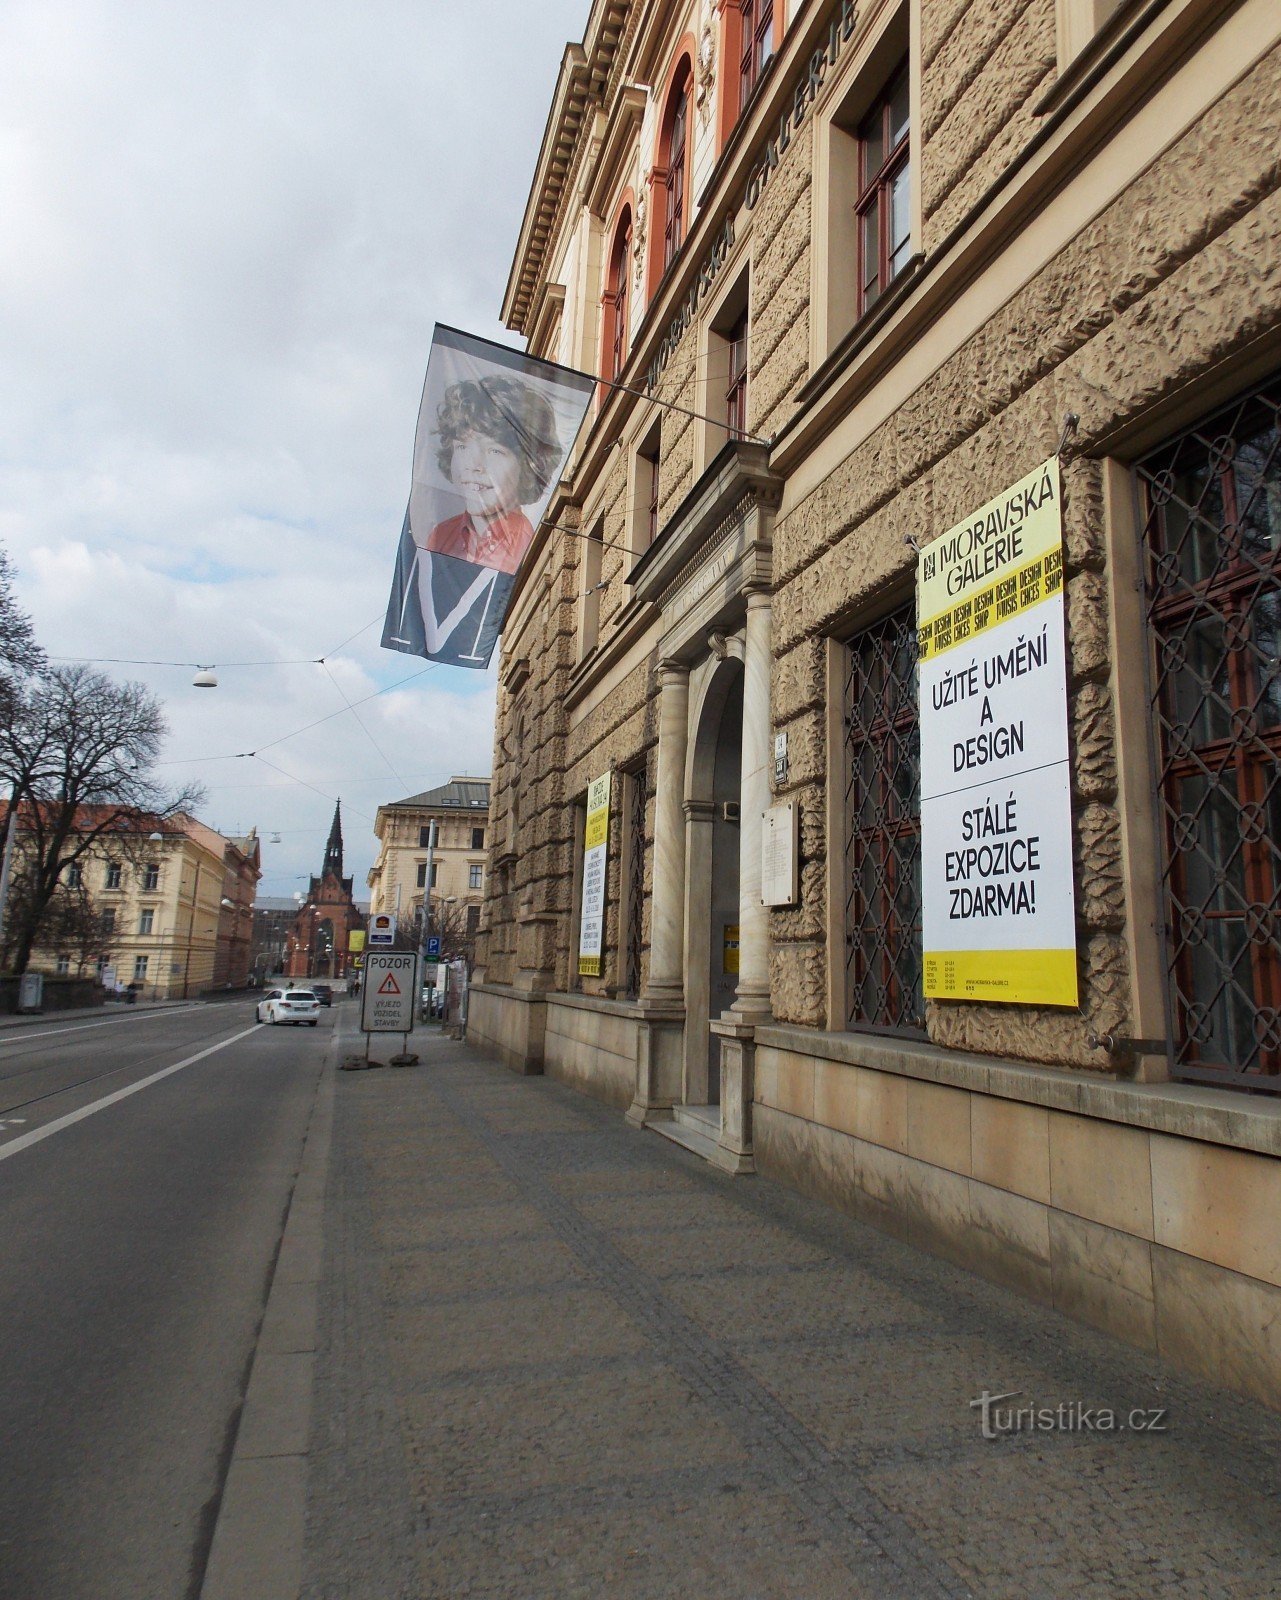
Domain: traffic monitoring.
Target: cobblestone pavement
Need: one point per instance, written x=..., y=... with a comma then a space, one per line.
x=562, y=1358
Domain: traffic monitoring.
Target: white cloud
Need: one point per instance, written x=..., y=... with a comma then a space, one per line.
x=228, y=231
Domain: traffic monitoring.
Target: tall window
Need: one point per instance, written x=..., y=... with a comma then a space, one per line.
x=422, y=874
x=151, y=876
x=883, y=786
x=107, y=920
x=884, y=210
x=478, y=838
x=475, y=877
x=616, y=303
x=674, y=158
x=75, y=878
x=424, y=837
x=113, y=875
x=736, y=386
x=757, y=41
x=1213, y=566
x=146, y=922
x=139, y=968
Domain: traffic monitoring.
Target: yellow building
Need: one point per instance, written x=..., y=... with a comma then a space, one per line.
x=398, y=879
x=160, y=896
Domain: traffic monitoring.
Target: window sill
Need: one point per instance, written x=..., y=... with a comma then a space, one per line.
x=1094, y=59
x=863, y=331
x=1211, y=1115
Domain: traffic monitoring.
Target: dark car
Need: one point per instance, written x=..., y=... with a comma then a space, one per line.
x=324, y=993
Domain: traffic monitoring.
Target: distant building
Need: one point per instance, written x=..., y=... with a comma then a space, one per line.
x=242, y=868
x=273, y=922
x=319, y=942
x=398, y=879
x=151, y=913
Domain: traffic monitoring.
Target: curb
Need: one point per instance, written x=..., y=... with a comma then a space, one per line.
x=257, y=1547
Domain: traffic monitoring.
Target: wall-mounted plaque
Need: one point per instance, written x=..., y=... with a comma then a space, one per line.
x=780, y=855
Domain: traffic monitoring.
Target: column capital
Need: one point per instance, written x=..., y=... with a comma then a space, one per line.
x=759, y=593
x=670, y=670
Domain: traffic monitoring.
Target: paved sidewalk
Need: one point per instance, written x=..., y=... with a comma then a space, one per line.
x=555, y=1357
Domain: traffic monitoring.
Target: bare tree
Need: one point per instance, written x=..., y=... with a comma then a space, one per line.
x=79, y=751
x=72, y=926
x=19, y=652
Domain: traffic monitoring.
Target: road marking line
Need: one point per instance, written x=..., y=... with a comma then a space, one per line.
x=112, y=1022
x=59, y=1123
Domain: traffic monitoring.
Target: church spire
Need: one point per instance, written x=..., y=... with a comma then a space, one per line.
x=333, y=850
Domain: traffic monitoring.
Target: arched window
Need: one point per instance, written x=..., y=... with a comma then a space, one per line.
x=615, y=330
x=674, y=156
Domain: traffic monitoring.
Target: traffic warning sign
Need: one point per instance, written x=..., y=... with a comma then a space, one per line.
x=387, y=994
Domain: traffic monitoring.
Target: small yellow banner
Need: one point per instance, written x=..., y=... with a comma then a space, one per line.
x=1014, y=977
x=729, y=958
x=356, y=939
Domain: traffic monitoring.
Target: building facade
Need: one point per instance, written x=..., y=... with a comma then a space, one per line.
x=885, y=263
x=274, y=917
x=155, y=893
x=318, y=944
x=398, y=879
x=242, y=869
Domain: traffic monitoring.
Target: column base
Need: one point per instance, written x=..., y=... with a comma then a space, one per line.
x=660, y=1037
x=738, y=1083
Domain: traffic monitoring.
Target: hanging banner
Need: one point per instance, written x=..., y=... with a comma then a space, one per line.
x=591, y=931
x=495, y=429
x=996, y=813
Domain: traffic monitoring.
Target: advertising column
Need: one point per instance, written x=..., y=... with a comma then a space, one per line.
x=595, y=850
x=996, y=812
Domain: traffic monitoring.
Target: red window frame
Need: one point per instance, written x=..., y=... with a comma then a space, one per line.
x=884, y=161
x=758, y=45
x=736, y=384
x=615, y=299
x=674, y=177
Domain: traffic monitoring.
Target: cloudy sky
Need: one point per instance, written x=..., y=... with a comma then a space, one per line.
x=228, y=230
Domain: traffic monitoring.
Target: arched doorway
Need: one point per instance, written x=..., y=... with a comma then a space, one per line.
x=712, y=879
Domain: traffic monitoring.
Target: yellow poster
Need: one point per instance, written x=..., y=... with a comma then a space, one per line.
x=591, y=932
x=998, y=911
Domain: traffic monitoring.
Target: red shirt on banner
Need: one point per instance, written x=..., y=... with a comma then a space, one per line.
x=499, y=543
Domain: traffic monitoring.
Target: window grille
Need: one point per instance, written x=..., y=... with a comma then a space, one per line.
x=884, y=210
x=634, y=939
x=883, y=847
x=1212, y=557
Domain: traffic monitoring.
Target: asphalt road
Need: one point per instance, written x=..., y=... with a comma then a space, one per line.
x=138, y=1243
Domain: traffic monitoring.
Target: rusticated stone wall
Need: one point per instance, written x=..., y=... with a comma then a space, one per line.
x=1182, y=270
x=985, y=64
x=778, y=345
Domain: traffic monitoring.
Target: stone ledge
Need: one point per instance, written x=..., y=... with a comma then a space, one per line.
x=1215, y=1116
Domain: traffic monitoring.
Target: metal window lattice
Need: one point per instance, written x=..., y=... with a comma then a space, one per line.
x=636, y=885
x=883, y=847
x=1212, y=552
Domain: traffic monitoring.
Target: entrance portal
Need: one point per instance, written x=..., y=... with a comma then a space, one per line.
x=711, y=964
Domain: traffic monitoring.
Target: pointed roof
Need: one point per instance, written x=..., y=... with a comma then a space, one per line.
x=333, y=849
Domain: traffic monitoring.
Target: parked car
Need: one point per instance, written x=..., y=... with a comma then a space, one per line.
x=289, y=1005
x=324, y=993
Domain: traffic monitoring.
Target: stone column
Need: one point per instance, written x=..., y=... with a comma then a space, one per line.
x=753, y=997
x=665, y=983
x=661, y=1026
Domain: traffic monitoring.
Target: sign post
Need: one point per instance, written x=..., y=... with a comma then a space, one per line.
x=996, y=812
x=387, y=996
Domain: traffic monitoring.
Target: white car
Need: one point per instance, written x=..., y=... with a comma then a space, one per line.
x=289, y=1005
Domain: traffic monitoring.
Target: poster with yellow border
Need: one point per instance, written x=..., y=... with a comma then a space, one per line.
x=998, y=911
x=591, y=931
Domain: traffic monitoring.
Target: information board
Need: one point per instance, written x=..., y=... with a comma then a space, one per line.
x=996, y=814
x=780, y=838
x=382, y=930
x=389, y=991
x=591, y=931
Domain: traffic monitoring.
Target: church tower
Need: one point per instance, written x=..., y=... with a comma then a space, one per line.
x=333, y=850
